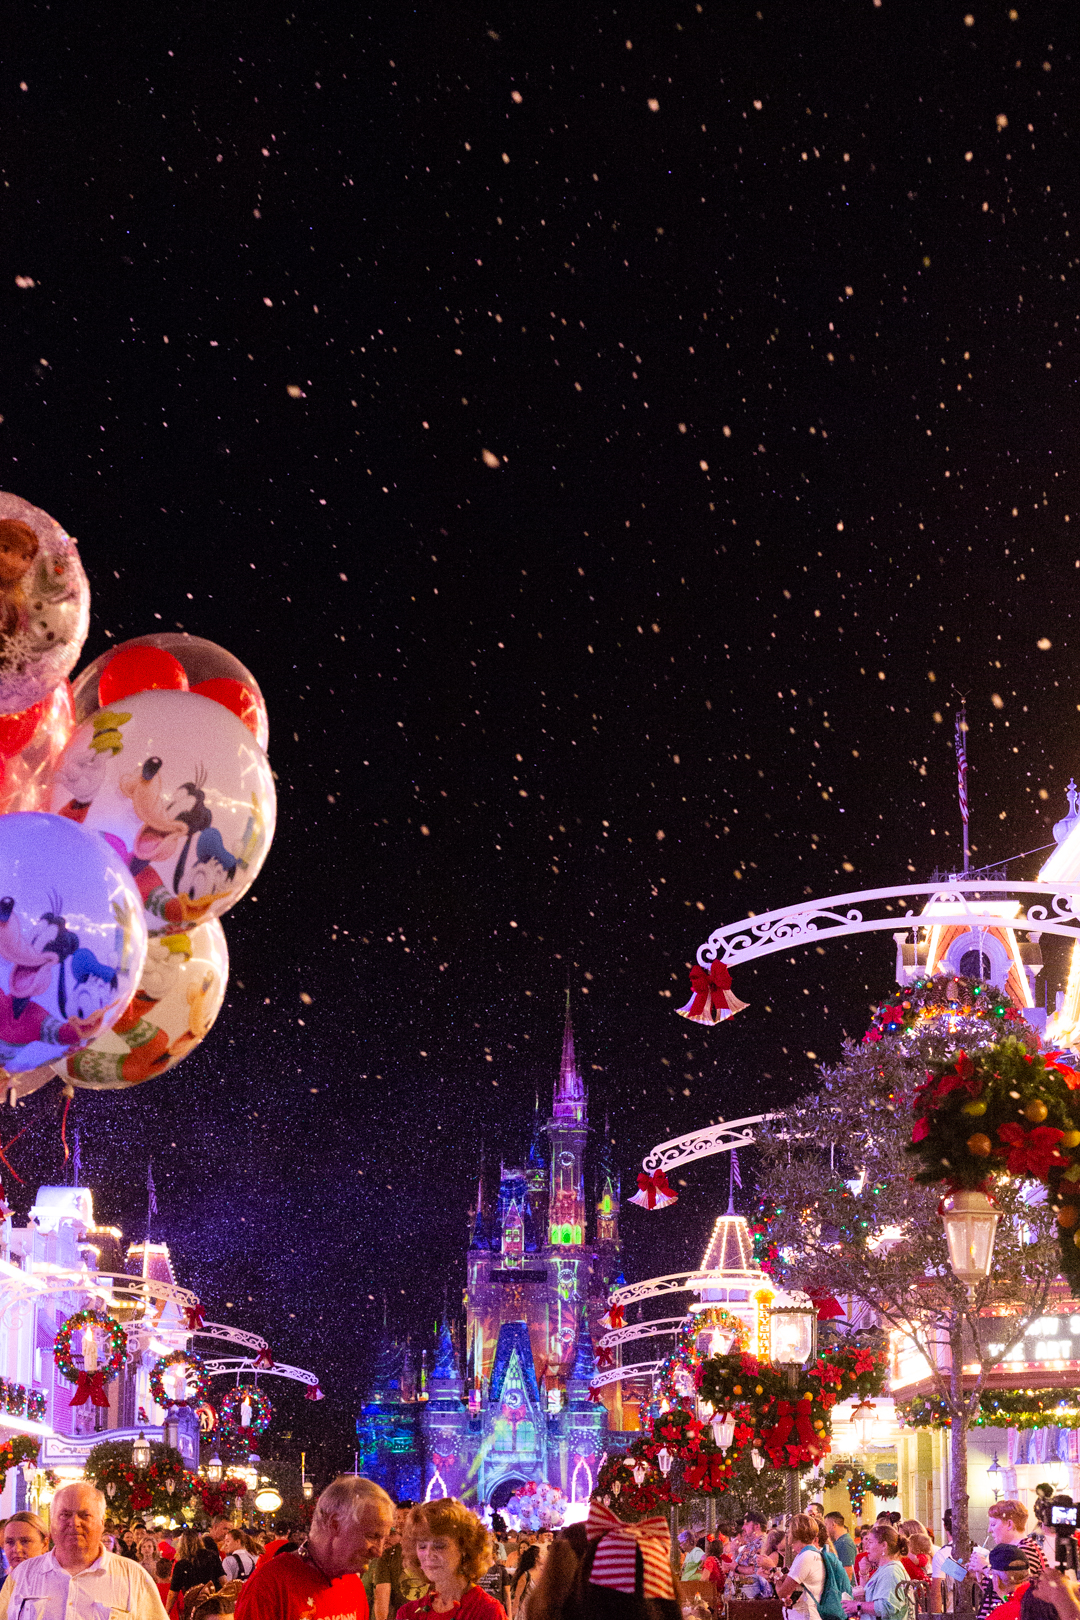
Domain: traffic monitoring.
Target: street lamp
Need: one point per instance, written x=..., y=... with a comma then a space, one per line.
x=862, y=1421
x=970, y=1220
x=665, y=1460
x=140, y=1452
x=307, y=1489
x=214, y=1469
x=793, y=1340
x=723, y=1430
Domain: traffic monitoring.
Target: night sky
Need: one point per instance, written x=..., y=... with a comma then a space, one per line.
x=612, y=436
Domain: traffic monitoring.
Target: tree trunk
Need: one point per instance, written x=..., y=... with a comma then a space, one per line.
x=958, y=1491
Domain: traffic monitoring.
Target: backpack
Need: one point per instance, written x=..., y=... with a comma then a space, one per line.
x=244, y=1562
x=836, y=1586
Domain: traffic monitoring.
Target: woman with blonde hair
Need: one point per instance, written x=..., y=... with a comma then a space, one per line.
x=25, y=1536
x=451, y=1548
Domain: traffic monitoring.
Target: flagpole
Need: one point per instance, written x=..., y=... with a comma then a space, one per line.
x=149, y=1211
x=961, y=775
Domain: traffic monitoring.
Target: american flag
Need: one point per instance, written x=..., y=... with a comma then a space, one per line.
x=961, y=763
x=151, y=1189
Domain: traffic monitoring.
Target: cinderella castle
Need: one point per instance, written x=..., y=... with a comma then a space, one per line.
x=514, y=1402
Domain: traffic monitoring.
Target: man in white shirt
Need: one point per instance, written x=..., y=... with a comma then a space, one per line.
x=80, y=1579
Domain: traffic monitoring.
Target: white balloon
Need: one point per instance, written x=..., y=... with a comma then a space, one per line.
x=72, y=939
x=184, y=794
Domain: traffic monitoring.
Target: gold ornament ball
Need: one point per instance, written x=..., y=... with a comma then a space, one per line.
x=1036, y=1111
x=976, y=1108
x=1067, y=1216
x=980, y=1145
x=737, y=1390
x=1071, y=1139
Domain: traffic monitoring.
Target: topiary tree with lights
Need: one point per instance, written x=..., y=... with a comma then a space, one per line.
x=851, y=1221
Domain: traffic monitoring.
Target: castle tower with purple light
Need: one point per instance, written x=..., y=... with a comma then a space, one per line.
x=516, y=1405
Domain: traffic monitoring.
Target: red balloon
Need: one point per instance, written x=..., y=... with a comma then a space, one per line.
x=235, y=696
x=16, y=730
x=139, y=669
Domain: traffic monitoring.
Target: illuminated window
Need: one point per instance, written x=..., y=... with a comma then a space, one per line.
x=568, y=1234
x=577, y=1234
x=605, y=1207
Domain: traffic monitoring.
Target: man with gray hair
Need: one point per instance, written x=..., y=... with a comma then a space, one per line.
x=80, y=1579
x=322, y=1581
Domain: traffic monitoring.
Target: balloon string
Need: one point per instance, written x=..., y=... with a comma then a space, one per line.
x=4, y=1158
x=63, y=1130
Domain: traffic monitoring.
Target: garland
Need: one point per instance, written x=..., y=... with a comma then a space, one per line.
x=62, y=1352
x=616, y=1483
x=159, y=1488
x=1004, y=1109
x=217, y=1500
x=20, y=1448
x=766, y=1253
x=859, y=1484
x=36, y=1405
x=792, y=1426
x=998, y=1409
x=942, y=995
x=22, y=1402
x=196, y=1372
x=229, y=1425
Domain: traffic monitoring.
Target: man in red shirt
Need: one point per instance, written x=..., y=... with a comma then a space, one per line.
x=322, y=1582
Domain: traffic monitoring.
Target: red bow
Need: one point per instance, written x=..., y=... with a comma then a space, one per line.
x=442, y=1462
x=195, y=1319
x=615, y=1559
x=90, y=1387
x=604, y=1358
x=654, y=1192
x=594, y=1395
x=314, y=1393
x=1032, y=1152
x=616, y=1317
x=827, y=1307
x=790, y=1414
x=708, y=1472
x=264, y=1359
x=712, y=1000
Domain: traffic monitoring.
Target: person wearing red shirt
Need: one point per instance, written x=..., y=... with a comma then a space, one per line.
x=322, y=1582
x=451, y=1548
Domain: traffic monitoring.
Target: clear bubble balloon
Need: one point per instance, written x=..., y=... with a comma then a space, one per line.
x=44, y=604
x=183, y=793
x=72, y=939
x=26, y=776
x=203, y=662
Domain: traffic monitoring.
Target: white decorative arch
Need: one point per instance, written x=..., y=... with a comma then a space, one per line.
x=613, y=1375
x=676, y=1282
x=641, y=1330
x=242, y=1364
x=956, y=903
x=720, y=1138
x=232, y=1335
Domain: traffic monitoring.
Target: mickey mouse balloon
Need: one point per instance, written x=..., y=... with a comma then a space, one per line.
x=44, y=604
x=178, y=999
x=72, y=939
x=182, y=792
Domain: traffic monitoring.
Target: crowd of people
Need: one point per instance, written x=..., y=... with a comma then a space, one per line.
x=368, y=1558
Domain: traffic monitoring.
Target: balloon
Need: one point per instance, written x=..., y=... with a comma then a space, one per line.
x=139, y=669
x=26, y=777
x=183, y=793
x=16, y=730
x=72, y=939
x=44, y=604
x=178, y=999
x=235, y=696
x=202, y=661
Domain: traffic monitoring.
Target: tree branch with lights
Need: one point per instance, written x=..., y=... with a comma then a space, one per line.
x=851, y=1220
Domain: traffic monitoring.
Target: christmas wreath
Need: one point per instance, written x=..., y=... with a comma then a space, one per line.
x=229, y=1414
x=943, y=995
x=217, y=1499
x=20, y=1448
x=1002, y=1109
x=859, y=1484
x=640, y=1494
x=89, y=1381
x=998, y=1409
x=716, y=1318
x=675, y=1379
x=766, y=1252
x=195, y=1373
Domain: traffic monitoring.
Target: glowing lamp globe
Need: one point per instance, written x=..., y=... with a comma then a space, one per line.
x=793, y=1329
x=970, y=1222
x=214, y=1469
x=308, y=1490
x=665, y=1459
x=140, y=1452
x=757, y=1459
x=268, y=1501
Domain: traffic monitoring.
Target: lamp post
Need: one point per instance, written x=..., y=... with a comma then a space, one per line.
x=214, y=1469
x=793, y=1338
x=971, y=1221
x=862, y=1421
x=140, y=1452
x=307, y=1489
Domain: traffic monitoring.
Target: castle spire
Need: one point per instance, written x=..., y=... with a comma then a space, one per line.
x=570, y=1099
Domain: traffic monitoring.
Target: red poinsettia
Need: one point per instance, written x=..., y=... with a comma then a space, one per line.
x=1032, y=1152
